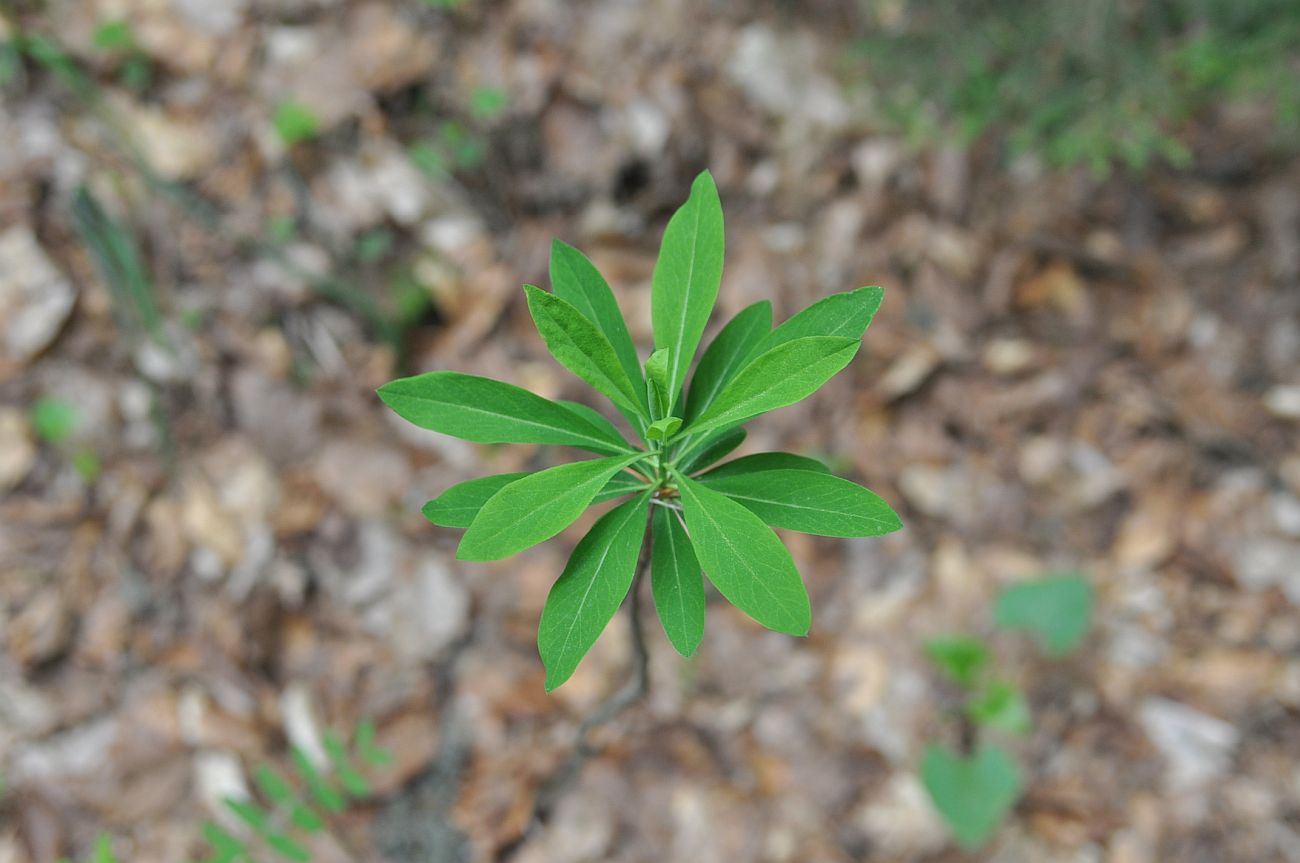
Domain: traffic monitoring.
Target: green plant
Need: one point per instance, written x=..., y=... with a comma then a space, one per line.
x=1105, y=84
x=53, y=421
x=288, y=813
x=116, y=38
x=102, y=852
x=295, y=122
x=697, y=519
x=975, y=788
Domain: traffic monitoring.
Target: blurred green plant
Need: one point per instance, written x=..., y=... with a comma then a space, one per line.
x=101, y=853
x=292, y=809
x=1106, y=84
x=53, y=421
x=976, y=787
x=116, y=38
x=119, y=263
x=295, y=122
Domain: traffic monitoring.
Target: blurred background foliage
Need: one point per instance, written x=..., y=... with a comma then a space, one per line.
x=1109, y=84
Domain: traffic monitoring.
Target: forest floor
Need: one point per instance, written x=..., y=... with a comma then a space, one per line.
x=222, y=553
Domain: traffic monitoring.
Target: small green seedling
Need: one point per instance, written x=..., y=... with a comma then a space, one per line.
x=295, y=122
x=53, y=422
x=102, y=852
x=976, y=788
x=291, y=813
x=717, y=521
x=116, y=38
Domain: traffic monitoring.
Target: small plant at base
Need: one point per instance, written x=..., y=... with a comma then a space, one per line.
x=716, y=522
x=290, y=813
x=975, y=788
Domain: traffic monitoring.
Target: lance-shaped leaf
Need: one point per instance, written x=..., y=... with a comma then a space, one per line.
x=458, y=505
x=846, y=315
x=657, y=387
x=780, y=377
x=597, y=419
x=808, y=501
x=591, y=588
x=536, y=507
x=744, y=559
x=676, y=581
x=575, y=279
x=726, y=354
x=686, y=278
x=761, y=461
x=487, y=411
x=582, y=348
x=710, y=448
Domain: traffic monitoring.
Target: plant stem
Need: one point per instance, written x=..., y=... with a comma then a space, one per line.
x=550, y=792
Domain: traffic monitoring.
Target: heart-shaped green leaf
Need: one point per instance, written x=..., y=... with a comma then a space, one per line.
x=1057, y=609
x=972, y=794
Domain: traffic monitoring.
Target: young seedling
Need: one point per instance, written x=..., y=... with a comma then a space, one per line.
x=674, y=515
x=976, y=787
x=289, y=814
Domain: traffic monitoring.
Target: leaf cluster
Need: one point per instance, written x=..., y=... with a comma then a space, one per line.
x=697, y=519
x=974, y=791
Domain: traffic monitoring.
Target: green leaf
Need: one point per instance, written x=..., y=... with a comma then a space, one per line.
x=295, y=122
x=599, y=421
x=1058, y=610
x=1001, y=705
x=808, y=501
x=367, y=748
x=457, y=506
x=962, y=657
x=537, y=507
x=846, y=315
x=972, y=794
x=780, y=377
x=663, y=429
x=53, y=419
x=249, y=812
x=487, y=411
x=676, y=581
x=710, y=448
x=272, y=785
x=114, y=36
x=590, y=590
x=582, y=348
x=326, y=795
x=575, y=279
x=225, y=847
x=287, y=848
x=352, y=780
x=744, y=559
x=726, y=355
x=686, y=277
x=763, y=461
x=658, y=391
x=620, y=484
x=104, y=849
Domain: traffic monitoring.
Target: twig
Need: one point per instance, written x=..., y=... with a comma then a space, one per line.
x=549, y=794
